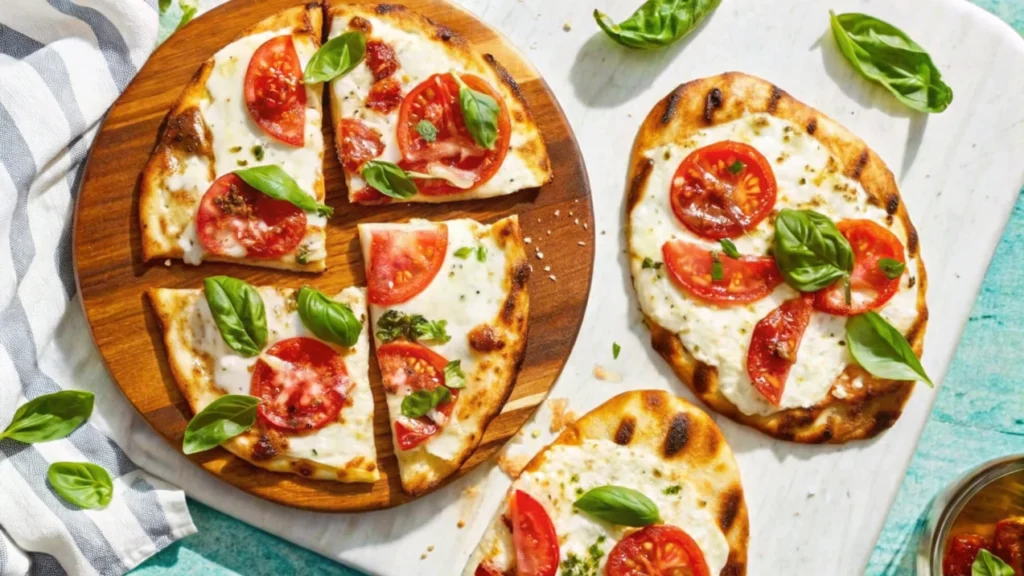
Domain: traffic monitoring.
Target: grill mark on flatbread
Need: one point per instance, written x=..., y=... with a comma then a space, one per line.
x=307, y=23
x=624, y=433
x=263, y=448
x=652, y=401
x=712, y=102
x=703, y=376
x=507, y=78
x=912, y=241
x=188, y=133
x=773, y=103
x=520, y=276
x=812, y=126
x=678, y=435
x=892, y=204
x=670, y=105
x=884, y=420
x=730, y=509
x=862, y=161
x=388, y=8
x=636, y=187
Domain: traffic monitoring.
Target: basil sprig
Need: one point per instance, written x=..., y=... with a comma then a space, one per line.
x=454, y=377
x=422, y=401
x=49, y=417
x=329, y=320
x=389, y=179
x=884, y=54
x=619, y=505
x=882, y=350
x=225, y=418
x=83, y=484
x=810, y=251
x=238, y=313
x=657, y=23
x=394, y=325
x=337, y=56
x=988, y=564
x=276, y=183
x=480, y=113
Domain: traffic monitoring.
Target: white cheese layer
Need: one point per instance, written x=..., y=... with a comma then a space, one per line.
x=807, y=177
x=333, y=445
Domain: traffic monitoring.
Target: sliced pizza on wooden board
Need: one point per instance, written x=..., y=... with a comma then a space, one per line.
x=303, y=355
x=237, y=173
x=775, y=262
x=449, y=306
x=643, y=484
x=423, y=117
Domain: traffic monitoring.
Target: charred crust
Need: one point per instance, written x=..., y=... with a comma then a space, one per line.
x=263, y=449
x=702, y=378
x=483, y=338
x=773, y=102
x=917, y=329
x=677, y=436
x=892, y=204
x=812, y=126
x=912, y=241
x=671, y=103
x=446, y=34
x=712, y=102
x=520, y=276
x=733, y=568
x=186, y=131
x=884, y=420
x=388, y=8
x=624, y=433
x=641, y=172
x=303, y=469
x=862, y=161
x=827, y=434
x=506, y=78
x=360, y=23
x=652, y=400
x=730, y=509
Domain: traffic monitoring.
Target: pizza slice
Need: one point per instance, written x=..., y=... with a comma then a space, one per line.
x=237, y=173
x=644, y=480
x=423, y=117
x=449, y=305
x=304, y=355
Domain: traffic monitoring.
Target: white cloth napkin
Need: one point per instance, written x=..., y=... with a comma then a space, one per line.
x=62, y=64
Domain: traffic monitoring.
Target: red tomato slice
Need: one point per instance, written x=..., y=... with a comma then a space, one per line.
x=385, y=95
x=403, y=263
x=232, y=213
x=359, y=143
x=534, y=537
x=380, y=57
x=774, y=345
x=485, y=569
x=274, y=92
x=961, y=551
x=406, y=367
x=723, y=190
x=870, y=288
x=369, y=197
x=744, y=279
x=1008, y=543
x=453, y=151
x=657, y=550
x=306, y=390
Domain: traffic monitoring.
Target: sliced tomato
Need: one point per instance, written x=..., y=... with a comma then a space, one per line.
x=303, y=388
x=961, y=551
x=744, y=279
x=723, y=190
x=369, y=197
x=359, y=144
x=534, y=537
x=274, y=92
x=487, y=569
x=774, y=345
x=234, y=216
x=1008, y=543
x=385, y=95
x=403, y=262
x=406, y=367
x=380, y=57
x=453, y=152
x=870, y=288
x=657, y=550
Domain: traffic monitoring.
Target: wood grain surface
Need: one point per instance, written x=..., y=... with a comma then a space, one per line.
x=112, y=278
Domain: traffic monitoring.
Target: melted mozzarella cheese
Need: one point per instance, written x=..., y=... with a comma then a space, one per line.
x=807, y=177
x=465, y=293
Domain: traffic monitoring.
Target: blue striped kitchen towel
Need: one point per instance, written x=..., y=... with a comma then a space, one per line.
x=62, y=64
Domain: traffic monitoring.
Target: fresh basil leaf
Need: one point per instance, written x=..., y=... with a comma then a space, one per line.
x=717, y=273
x=729, y=248
x=884, y=54
x=330, y=320
x=480, y=113
x=619, y=505
x=892, y=269
x=615, y=350
x=988, y=564
x=422, y=401
x=238, y=313
x=454, y=377
x=394, y=325
x=431, y=331
x=426, y=130
x=83, y=484
x=388, y=179
x=225, y=418
x=276, y=183
x=337, y=56
x=882, y=350
x=810, y=251
x=464, y=252
x=49, y=417
x=652, y=264
x=657, y=23
x=736, y=167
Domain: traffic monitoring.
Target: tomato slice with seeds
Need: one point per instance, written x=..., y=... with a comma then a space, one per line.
x=380, y=57
x=870, y=288
x=385, y=95
x=1008, y=543
x=774, y=345
x=274, y=92
x=407, y=367
x=533, y=535
x=744, y=279
x=961, y=551
x=404, y=262
x=453, y=153
x=359, y=144
x=303, y=388
x=657, y=550
x=235, y=219
x=723, y=190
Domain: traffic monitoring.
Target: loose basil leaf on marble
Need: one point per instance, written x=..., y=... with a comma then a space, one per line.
x=988, y=564
x=49, y=417
x=619, y=505
x=729, y=248
x=454, y=377
x=330, y=320
x=884, y=54
x=336, y=57
x=225, y=418
x=389, y=179
x=276, y=183
x=238, y=313
x=480, y=113
x=83, y=484
x=657, y=23
x=892, y=268
x=426, y=130
x=810, y=251
x=422, y=401
x=882, y=350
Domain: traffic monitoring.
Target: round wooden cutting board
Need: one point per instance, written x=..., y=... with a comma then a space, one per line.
x=112, y=277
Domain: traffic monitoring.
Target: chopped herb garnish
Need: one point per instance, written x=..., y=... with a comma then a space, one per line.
x=615, y=350
x=574, y=478
x=242, y=163
x=395, y=325
x=235, y=149
x=892, y=269
x=672, y=490
x=736, y=167
x=427, y=130
x=454, y=377
x=574, y=565
x=716, y=268
x=481, y=254
x=463, y=252
x=729, y=248
x=467, y=251
x=257, y=152
x=653, y=264
x=302, y=254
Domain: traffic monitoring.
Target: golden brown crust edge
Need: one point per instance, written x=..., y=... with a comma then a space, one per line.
x=719, y=99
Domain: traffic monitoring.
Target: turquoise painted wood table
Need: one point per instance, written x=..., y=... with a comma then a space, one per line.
x=978, y=415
